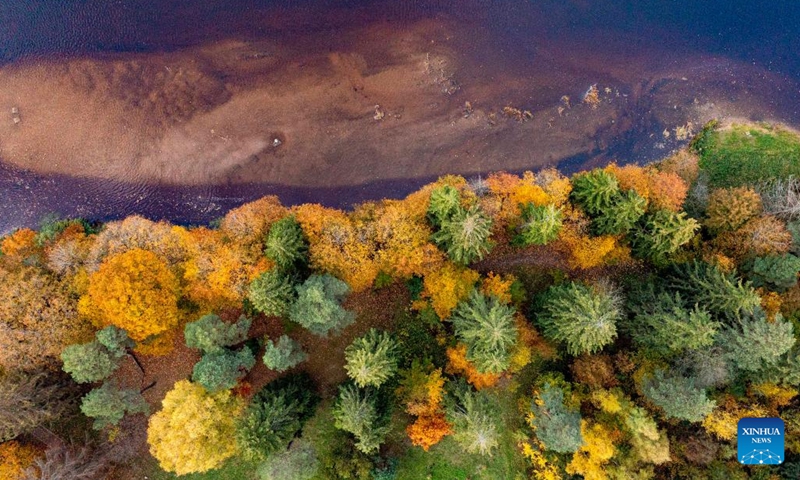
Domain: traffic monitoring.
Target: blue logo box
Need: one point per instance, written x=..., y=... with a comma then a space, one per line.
x=760, y=441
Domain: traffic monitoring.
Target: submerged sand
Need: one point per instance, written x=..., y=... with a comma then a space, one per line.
x=369, y=101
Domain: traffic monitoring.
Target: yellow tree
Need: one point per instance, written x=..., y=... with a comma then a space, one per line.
x=421, y=390
x=511, y=191
x=338, y=245
x=217, y=272
x=448, y=286
x=15, y=458
x=19, y=243
x=457, y=364
x=194, y=430
x=134, y=291
x=598, y=448
x=403, y=240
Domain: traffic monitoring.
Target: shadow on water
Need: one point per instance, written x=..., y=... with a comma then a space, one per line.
x=29, y=197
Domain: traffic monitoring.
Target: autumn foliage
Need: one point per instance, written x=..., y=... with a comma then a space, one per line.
x=38, y=318
x=193, y=430
x=448, y=286
x=422, y=392
x=457, y=364
x=15, y=458
x=134, y=291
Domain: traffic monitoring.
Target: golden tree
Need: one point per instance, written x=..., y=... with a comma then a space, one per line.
x=218, y=273
x=729, y=208
x=598, y=448
x=421, y=389
x=194, y=430
x=19, y=243
x=134, y=291
x=15, y=458
x=457, y=364
x=448, y=286
x=338, y=245
x=404, y=242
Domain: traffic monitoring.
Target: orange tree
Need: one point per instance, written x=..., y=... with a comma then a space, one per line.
x=134, y=291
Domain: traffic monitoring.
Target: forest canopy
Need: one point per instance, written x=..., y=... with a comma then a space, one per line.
x=612, y=325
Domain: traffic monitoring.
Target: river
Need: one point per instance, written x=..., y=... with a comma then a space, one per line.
x=182, y=110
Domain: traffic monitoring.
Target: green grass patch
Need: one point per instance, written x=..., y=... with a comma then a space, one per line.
x=233, y=469
x=448, y=461
x=747, y=154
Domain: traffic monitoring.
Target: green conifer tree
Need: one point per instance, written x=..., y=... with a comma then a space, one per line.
x=487, y=328
x=465, y=235
x=371, y=359
x=621, y=215
x=108, y=404
x=540, y=225
x=584, y=318
x=222, y=370
x=775, y=272
x=594, y=191
x=89, y=362
x=720, y=293
x=755, y=344
x=474, y=419
x=356, y=412
x=272, y=293
x=679, y=397
x=558, y=427
x=211, y=335
x=661, y=233
x=285, y=244
x=444, y=202
x=662, y=323
x=275, y=415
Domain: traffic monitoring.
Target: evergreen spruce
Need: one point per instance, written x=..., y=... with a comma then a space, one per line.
x=487, y=328
x=594, y=191
x=720, y=293
x=222, y=370
x=211, y=335
x=318, y=306
x=274, y=416
x=557, y=427
x=372, y=358
x=584, y=318
x=108, y=404
x=272, y=293
x=661, y=233
x=285, y=244
x=679, y=397
x=621, y=216
x=474, y=419
x=356, y=412
x=465, y=236
x=540, y=225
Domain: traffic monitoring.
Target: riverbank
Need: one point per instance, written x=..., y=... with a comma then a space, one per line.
x=352, y=104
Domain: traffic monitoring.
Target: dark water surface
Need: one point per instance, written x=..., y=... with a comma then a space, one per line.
x=752, y=42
